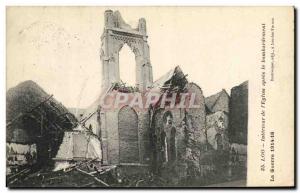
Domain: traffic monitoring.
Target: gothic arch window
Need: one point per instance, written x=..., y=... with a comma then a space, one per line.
x=127, y=65
x=116, y=34
x=170, y=141
x=128, y=135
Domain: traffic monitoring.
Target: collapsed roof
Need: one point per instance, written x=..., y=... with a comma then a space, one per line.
x=30, y=109
x=172, y=80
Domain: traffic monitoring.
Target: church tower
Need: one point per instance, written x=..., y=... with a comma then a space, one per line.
x=116, y=34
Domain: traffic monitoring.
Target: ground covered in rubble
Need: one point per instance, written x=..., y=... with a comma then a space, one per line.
x=76, y=178
x=84, y=178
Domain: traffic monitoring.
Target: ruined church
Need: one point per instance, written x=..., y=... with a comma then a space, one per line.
x=130, y=136
x=181, y=144
x=156, y=138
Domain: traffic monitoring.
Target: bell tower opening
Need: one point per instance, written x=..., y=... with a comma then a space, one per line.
x=117, y=33
x=127, y=65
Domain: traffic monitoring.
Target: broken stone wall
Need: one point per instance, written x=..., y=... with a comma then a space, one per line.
x=238, y=114
x=109, y=138
x=217, y=130
x=117, y=33
x=106, y=124
x=187, y=126
x=197, y=115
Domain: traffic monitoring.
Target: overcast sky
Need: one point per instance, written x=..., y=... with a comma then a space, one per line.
x=58, y=48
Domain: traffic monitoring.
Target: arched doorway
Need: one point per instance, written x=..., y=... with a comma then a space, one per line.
x=128, y=135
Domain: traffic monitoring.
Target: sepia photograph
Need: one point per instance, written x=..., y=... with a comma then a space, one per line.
x=144, y=97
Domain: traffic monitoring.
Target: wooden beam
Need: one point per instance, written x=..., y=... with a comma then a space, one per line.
x=97, y=179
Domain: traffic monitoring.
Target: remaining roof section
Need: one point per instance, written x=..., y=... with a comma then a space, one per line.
x=211, y=100
x=217, y=102
x=171, y=80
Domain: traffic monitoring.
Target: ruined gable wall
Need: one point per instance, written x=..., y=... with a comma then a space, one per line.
x=222, y=103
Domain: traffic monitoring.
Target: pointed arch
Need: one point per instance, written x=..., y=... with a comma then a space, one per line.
x=128, y=135
x=115, y=35
x=127, y=65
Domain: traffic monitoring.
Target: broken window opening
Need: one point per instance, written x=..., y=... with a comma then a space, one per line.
x=127, y=65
